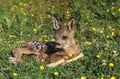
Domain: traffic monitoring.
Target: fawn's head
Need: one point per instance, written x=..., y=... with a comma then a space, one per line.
x=64, y=35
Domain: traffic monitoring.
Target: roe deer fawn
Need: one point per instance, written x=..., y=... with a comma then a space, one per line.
x=54, y=52
x=65, y=37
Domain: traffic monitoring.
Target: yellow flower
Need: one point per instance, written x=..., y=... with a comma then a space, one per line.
x=113, y=33
x=112, y=77
x=41, y=17
x=107, y=36
x=46, y=40
x=42, y=67
x=68, y=15
x=98, y=56
x=32, y=15
x=101, y=32
x=56, y=73
x=45, y=36
x=94, y=29
x=88, y=43
x=15, y=74
x=67, y=12
x=24, y=14
x=21, y=9
x=53, y=40
x=119, y=10
x=40, y=39
x=110, y=27
x=87, y=17
x=20, y=3
x=70, y=55
x=20, y=42
x=102, y=78
x=113, y=7
x=11, y=36
x=25, y=4
x=30, y=2
x=83, y=77
x=53, y=6
x=35, y=30
x=113, y=13
x=111, y=64
x=107, y=10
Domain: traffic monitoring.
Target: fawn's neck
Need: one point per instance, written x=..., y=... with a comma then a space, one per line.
x=71, y=47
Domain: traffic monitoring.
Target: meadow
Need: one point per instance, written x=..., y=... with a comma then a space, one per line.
x=97, y=34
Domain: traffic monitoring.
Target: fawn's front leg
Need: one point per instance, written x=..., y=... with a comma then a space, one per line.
x=64, y=61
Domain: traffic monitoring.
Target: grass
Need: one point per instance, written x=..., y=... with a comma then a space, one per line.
x=97, y=33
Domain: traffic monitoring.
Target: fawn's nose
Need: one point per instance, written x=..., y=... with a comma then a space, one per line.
x=59, y=40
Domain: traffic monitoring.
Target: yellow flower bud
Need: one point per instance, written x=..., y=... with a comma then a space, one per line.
x=83, y=77
x=70, y=55
x=15, y=74
x=112, y=77
x=42, y=67
x=53, y=40
x=56, y=73
x=98, y=56
x=111, y=64
x=35, y=30
x=94, y=29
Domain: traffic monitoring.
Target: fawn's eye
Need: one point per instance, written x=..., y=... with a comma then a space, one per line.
x=64, y=37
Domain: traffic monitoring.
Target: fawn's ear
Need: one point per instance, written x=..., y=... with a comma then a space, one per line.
x=55, y=23
x=71, y=25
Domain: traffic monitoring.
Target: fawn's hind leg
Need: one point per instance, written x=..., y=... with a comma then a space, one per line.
x=17, y=55
x=64, y=61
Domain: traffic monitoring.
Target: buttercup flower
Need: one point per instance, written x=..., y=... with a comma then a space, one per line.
x=20, y=3
x=111, y=64
x=15, y=74
x=102, y=78
x=56, y=73
x=35, y=30
x=113, y=13
x=119, y=10
x=24, y=14
x=24, y=4
x=112, y=77
x=107, y=10
x=67, y=12
x=98, y=56
x=87, y=43
x=70, y=55
x=113, y=33
x=101, y=32
x=94, y=29
x=42, y=67
x=113, y=7
x=53, y=40
x=45, y=36
x=46, y=40
x=83, y=77
x=107, y=36
x=32, y=15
